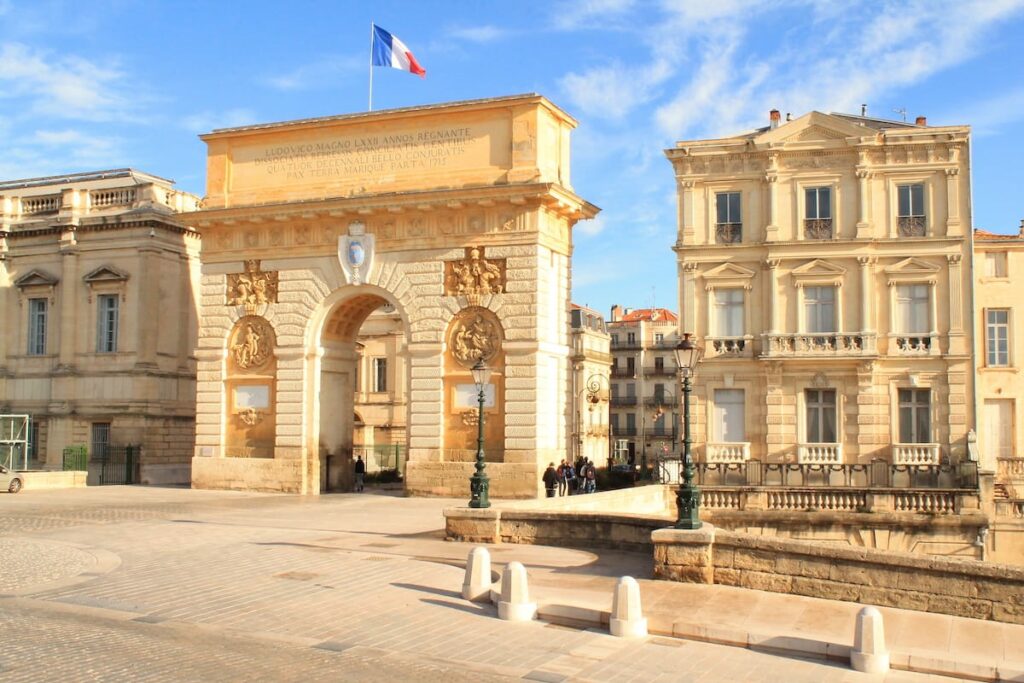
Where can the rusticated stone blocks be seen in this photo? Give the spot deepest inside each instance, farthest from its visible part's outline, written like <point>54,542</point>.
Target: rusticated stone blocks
<point>683,555</point>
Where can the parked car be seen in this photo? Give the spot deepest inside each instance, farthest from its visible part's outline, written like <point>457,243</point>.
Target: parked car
<point>10,480</point>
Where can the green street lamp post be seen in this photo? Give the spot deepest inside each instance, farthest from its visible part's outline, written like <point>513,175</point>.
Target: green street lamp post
<point>479,484</point>
<point>688,355</point>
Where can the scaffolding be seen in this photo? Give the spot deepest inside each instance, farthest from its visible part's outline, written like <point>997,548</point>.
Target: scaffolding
<point>14,441</point>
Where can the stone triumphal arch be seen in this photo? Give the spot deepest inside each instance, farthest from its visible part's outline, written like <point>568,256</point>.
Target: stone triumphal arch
<point>459,216</point>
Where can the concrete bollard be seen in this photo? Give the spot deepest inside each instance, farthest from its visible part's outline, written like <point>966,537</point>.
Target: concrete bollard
<point>869,653</point>
<point>477,584</point>
<point>627,619</point>
<point>515,604</point>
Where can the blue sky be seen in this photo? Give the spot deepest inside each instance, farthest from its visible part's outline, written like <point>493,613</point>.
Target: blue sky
<point>90,85</point>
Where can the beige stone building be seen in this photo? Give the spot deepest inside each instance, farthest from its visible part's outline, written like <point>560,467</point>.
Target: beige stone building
<point>825,264</point>
<point>645,381</point>
<point>459,216</point>
<point>98,279</point>
<point>999,272</point>
<point>591,362</point>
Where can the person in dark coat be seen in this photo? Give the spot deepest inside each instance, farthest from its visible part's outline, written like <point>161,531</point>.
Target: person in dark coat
<point>360,473</point>
<point>550,480</point>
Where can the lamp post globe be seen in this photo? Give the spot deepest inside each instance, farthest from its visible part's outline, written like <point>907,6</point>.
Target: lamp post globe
<point>688,355</point>
<point>479,484</point>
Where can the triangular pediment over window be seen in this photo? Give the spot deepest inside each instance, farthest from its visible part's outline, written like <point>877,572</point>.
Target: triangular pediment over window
<point>912,266</point>
<point>35,278</point>
<point>819,267</point>
<point>728,275</point>
<point>105,274</point>
<point>813,127</point>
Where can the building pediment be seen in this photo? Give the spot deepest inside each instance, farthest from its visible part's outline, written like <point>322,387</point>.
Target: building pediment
<point>35,278</point>
<point>728,275</point>
<point>912,270</point>
<point>818,271</point>
<point>105,274</point>
<point>812,127</point>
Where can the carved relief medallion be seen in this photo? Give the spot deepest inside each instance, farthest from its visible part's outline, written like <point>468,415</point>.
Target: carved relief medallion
<point>474,335</point>
<point>253,342</point>
<point>475,276</point>
<point>253,288</point>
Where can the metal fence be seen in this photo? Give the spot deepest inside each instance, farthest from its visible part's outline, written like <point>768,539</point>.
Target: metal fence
<point>876,474</point>
<point>76,458</point>
<point>116,464</point>
<point>388,458</point>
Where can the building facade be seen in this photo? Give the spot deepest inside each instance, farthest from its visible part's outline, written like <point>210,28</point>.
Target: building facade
<point>644,388</point>
<point>825,265</point>
<point>999,271</point>
<point>591,362</point>
<point>98,286</point>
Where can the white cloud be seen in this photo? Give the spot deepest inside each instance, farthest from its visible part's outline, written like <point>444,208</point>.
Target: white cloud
<point>613,91</point>
<point>575,14</point>
<point>478,34</point>
<point>205,121</point>
<point>595,226</point>
<point>52,152</point>
<point>327,72</point>
<point>988,116</point>
<point>67,86</point>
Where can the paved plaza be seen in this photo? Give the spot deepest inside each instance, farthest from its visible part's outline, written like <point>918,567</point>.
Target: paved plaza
<point>151,584</point>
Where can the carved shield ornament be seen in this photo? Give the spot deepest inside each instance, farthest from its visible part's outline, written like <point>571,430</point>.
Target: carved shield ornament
<point>356,252</point>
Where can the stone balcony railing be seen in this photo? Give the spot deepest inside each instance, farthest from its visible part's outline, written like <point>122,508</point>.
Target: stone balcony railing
<point>1010,468</point>
<point>939,502</point>
<point>729,347</point>
<point>819,453</point>
<point>819,345</point>
<point>726,452</point>
<point>915,344</point>
<point>915,453</point>
<point>72,202</point>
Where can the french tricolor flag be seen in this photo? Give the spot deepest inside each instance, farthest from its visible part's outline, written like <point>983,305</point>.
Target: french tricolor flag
<point>390,51</point>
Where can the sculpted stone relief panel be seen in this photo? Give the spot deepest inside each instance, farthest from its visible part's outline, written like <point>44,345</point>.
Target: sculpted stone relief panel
<point>253,288</point>
<point>252,343</point>
<point>474,276</point>
<point>475,334</point>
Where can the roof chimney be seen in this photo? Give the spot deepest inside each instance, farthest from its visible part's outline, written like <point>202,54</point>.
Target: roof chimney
<point>616,312</point>
<point>789,117</point>
<point>1022,227</point>
<point>921,121</point>
<point>774,117</point>
<point>863,110</point>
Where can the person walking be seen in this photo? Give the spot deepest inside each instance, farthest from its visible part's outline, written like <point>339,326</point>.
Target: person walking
<point>550,480</point>
<point>360,469</point>
<point>570,479</point>
<point>561,478</point>
<point>591,482</point>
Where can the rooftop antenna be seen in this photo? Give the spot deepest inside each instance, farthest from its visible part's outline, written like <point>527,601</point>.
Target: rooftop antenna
<point>902,111</point>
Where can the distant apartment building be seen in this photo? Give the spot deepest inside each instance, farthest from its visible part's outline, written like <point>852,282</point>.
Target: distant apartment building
<point>998,278</point>
<point>98,299</point>
<point>591,366</point>
<point>644,385</point>
<point>825,265</point>
<point>381,390</point>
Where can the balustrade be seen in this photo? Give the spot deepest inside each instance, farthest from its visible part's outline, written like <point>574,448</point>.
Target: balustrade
<point>34,206</point>
<point>821,499</point>
<point>720,499</point>
<point>820,453</point>
<point>1010,468</point>
<point>830,344</point>
<point>119,196</point>
<point>727,346</point>
<point>915,344</point>
<point>938,502</point>
<point>728,452</point>
<point>915,453</point>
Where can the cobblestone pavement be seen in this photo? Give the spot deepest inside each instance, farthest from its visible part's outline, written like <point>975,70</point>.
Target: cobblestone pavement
<point>220,586</point>
<point>26,562</point>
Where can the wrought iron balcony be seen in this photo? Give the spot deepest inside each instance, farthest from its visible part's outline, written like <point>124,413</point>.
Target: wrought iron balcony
<point>663,371</point>
<point>911,226</point>
<point>625,344</point>
<point>623,431</point>
<point>728,233</point>
<point>818,228</point>
<point>623,400</point>
<point>663,399</point>
<point>623,372</point>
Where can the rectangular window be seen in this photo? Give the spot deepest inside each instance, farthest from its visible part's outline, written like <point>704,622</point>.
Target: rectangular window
<point>631,423</point>
<point>37,327</point>
<point>658,338</point>
<point>659,393</point>
<point>615,389</point>
<point>998,434</point>
<point>729,312</point>
<point>997,336</point>
<point>631,366</point>
<point>615,339</point>
<point>729,416</point>
<point>995,264</point>
<point>106,323</point>
<point>912,306</point>
<point>631,338</point>
<point>911,215</point>
<point>659,363</point>
<point>915,415</point>
<point>380,374</point>
<point>630,390</point>
<point>821,416</point>
<point>818,213</point>
<point>728,223</point>
<point>820,309</point>
<point>100,440</point>
<point>613,420</point>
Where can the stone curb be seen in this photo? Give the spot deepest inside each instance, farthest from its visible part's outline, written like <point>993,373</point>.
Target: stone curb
<point>789,646</point>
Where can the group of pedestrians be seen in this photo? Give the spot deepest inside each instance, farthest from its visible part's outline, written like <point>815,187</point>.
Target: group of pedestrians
<point>570,479</point>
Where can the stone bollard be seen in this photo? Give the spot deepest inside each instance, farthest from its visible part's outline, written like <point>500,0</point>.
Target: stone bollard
<point>477,584</point>
<point>869,653</point>
<point>515,604</point>
<point>627,618</point>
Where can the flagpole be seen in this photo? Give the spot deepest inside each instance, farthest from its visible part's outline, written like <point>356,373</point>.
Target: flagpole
<point>369,107</point>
